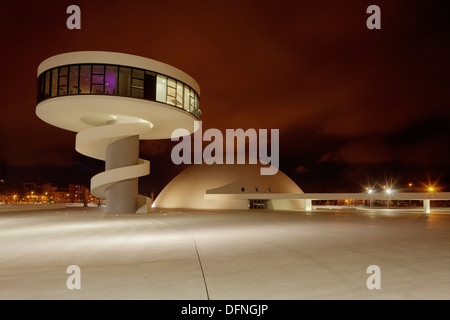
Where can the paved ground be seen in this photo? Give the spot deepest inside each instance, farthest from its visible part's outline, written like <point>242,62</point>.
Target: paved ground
<point>225,255</point>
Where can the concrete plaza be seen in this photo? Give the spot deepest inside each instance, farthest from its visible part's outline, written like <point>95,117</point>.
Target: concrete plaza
<point>256,254</point>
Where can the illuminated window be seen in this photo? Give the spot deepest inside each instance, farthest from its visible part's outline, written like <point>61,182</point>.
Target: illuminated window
<point>171,91</point>
<point>63,81</point>
<point>116,80</point>
<point>54,82</point>
<point>73,79</point>
<point>187,93</point>
<point>85,79</point>
<point>98,69</point>
<point>179,101</point>
<point>47,84</point>
<point>111,80</point>
<point>196,106</point>
<point>125,81</point>
<point>192,101</point>
<point>137,83</point>
<point>161,88</point>
<point>98,79</point>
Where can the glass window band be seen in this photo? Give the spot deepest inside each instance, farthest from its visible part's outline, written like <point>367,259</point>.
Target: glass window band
<point>117,80</point>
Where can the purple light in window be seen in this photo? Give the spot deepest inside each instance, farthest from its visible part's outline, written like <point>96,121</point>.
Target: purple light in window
<point>110,81</point>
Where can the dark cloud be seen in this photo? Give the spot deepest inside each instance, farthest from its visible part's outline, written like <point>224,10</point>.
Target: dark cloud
<point>301,169</point>
<point>358,152</point>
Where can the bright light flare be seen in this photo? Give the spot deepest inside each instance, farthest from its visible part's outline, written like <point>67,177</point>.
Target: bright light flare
<point>432,185</point>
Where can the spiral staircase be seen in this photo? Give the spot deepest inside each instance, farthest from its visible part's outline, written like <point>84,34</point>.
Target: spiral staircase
<point>104,143</point>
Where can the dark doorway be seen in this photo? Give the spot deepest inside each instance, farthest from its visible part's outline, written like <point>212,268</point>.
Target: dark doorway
<point>257,204</point>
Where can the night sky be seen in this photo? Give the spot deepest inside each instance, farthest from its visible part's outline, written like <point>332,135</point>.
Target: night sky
<point>352,105</point>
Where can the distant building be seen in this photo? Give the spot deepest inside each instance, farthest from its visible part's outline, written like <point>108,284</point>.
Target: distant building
<point>77,193</point>
<point>60,195</point>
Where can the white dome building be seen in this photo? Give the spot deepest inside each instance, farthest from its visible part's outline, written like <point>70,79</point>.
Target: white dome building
<point>238,186</point>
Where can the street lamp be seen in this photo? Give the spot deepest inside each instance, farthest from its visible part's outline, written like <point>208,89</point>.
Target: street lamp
<point>410,187</point>
<point>388,191</point>
<point>369,191</point>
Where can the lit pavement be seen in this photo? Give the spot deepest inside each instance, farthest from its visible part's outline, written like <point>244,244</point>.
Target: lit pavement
<point>243,255</point>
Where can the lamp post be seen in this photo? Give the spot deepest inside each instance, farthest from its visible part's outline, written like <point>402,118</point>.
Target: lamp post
<point>410,186</point>
<point>369,191</point>
<point>388,191</point>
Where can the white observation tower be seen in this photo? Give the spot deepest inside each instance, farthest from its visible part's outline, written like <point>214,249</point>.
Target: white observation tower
<point>113,100</point>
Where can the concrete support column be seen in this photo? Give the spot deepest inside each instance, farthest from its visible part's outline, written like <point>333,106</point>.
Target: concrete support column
<point>308,204</point>
<point>426,206</point>
<point>122,196</point>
